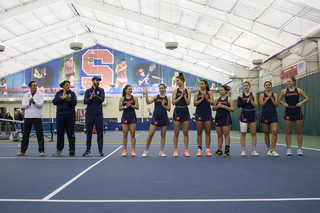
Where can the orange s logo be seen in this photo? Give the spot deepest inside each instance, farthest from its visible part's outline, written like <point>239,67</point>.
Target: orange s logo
<point>103,70</point>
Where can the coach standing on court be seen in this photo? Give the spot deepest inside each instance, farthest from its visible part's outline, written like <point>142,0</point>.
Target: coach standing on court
<point>94,97</point>
<point>66,101</point>
<point>32,102</point>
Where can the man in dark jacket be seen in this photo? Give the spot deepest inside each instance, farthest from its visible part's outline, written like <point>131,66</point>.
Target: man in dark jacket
<point>94,97</point>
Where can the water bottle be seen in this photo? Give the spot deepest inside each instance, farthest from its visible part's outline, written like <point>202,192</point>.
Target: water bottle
<point>19,148</point>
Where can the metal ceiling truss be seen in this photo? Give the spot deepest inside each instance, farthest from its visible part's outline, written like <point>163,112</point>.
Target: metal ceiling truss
<point>217,68</point>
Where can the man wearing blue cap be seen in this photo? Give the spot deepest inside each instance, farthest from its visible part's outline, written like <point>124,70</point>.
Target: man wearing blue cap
<point>94,97</point>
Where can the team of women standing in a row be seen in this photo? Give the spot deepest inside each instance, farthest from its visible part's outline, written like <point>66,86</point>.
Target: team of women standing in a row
<point>203,100</point>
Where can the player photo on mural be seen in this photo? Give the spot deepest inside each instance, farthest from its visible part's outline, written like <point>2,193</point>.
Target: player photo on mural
<point>42,75</point>
<point>116,70</point>
<point>145,76</point>
<point>121,71</point>
<point>69,71</point>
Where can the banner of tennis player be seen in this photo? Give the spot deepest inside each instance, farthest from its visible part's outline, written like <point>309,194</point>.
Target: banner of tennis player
<point>114,67</point>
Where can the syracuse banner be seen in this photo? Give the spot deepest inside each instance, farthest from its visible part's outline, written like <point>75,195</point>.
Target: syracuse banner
<point>115,68</point>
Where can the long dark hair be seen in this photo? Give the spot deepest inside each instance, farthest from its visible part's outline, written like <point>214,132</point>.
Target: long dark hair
<point>226,88</point>
<point>293,79</point>
<point>64,82</point>
<point>181,76</point>
<point>206,83</point>
<point>125,89</point>
<point>163,85</point>
<point>69,58</point>
<point>267,82</point>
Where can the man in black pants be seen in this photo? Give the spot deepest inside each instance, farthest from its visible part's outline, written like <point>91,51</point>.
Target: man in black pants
<point>94,97</point>
<point>32,102</point>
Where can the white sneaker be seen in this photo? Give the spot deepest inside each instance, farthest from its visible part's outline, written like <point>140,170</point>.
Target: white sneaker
<point>299,152</point>
<point>274,153</point>
<point>161,154</point>
<point>255,153</point>
<point>243,153</point>
<point>289,152</point>
<point>145,153</point>
<point>269,152</point>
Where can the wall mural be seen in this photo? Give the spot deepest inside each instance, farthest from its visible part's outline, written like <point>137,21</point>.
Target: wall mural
<point>112,66</point>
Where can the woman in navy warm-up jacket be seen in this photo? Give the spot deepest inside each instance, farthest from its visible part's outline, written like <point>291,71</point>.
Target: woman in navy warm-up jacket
<point>65,100</point>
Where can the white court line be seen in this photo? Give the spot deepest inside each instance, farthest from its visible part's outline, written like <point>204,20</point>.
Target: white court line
<point>53,158</point>
<point>139,133</point>
<point>164,200</point>
<point>36,145</point>
<point>76,177</point>
<point>301,147</point>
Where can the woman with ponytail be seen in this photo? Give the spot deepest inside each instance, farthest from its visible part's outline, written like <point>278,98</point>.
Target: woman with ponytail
<point>223,105</point>
<point>128,103</point>
<point>248,101</point>
<point>162,104</point>
<point>269,117</point>
<point>202,101</point>
<point>293,112</point>
<point>181,98</point>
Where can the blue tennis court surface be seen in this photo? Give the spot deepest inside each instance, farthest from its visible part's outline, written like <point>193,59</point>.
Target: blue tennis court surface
<point>134,184</point>
<point>141,135</point>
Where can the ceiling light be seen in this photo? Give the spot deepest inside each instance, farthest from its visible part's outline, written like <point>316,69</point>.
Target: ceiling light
<point>2,48</point>
<point>257,61</point>
<point>76,46</point>
<point>171,45</point>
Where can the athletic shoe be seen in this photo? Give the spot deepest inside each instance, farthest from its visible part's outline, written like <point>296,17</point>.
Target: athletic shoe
<point>101,153</point>
<point>218,152</point>
<point>133,153</point>
<point>226,153</point>
<point>243,153</point>
<point>289,152</point>
<point>269,152</point>
<point>299,152</point>
<point>208,153</point>
<point>255,153</point>
<point>274,153</point>
<point>87,153</point>
<point>199,154</point>
<point>72,153</point>
<point>145,153</point>
<point>175,153</point>
<point>124,153</point>
<point>161,154</point>
<point>57,153</point>
<point>21,153</point>
<point>42,154</point>
<point>186,153</point>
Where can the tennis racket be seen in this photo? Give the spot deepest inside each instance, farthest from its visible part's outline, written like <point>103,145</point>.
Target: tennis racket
<point>43,70</point>
<point>152,67</point>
